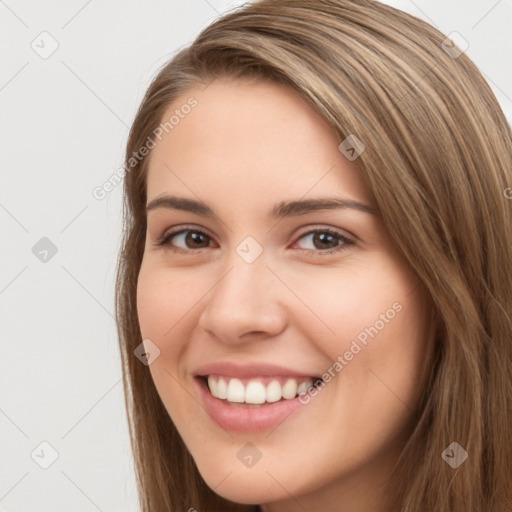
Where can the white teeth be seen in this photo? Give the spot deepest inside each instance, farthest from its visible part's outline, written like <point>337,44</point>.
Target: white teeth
<point>304,386</point>
<point>236,391</point>
<point>273,391</point>
<point>212,384</point>
<point>222,389</point>
<point>290,389</point>
<point>255,392</point>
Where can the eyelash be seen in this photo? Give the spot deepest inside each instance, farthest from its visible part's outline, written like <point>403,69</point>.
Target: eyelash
<point>347,242</point>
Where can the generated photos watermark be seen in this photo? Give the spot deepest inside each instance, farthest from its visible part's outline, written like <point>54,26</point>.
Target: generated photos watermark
<point>101,191</point>
<point>355,348</point>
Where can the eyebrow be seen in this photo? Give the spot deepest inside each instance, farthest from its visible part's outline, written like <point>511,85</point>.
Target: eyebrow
<point>280,210</point>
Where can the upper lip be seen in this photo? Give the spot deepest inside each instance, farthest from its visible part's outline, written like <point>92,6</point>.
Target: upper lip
<point>248,371</point>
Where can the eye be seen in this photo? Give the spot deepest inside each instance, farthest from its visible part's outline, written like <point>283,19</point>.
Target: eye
<point>325,241</point>
<point>190,238</point>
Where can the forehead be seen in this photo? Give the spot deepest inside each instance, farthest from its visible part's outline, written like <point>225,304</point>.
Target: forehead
<point>250,138</point>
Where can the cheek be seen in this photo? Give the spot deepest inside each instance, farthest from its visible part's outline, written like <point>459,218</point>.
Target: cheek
<point>168,301</point>
<point>162,301</point>
<point>371,326</point>
<point>383,346</point>
<point>359,302</point>
<point>159,308</point>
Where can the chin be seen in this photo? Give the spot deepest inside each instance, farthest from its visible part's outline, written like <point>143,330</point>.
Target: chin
<point>246,488</point>
<point>228,477</point>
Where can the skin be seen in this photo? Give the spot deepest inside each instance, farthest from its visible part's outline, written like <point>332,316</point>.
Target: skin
<point>245,147</point>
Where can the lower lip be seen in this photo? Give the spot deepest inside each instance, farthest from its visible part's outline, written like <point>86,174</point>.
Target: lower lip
<point>246,419</point>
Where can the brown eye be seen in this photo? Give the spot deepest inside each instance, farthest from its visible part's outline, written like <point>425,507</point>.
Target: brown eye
<point>186,239</point>
<point>325,240</point>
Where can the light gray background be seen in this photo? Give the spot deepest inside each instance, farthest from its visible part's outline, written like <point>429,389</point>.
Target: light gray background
<point>65,121</point>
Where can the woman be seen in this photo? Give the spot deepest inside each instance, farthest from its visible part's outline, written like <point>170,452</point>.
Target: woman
<point>314,292</point>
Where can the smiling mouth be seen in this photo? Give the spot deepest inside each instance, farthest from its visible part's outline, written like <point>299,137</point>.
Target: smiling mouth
<point>258,392</point>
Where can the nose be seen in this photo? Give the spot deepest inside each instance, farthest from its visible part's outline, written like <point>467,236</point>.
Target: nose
<point>244,304</point>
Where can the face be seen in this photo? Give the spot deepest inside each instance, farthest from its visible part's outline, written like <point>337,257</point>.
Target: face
<point>267,269</point>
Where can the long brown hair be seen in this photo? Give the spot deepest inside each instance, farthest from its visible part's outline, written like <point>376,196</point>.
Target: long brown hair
<point>438,161</point>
